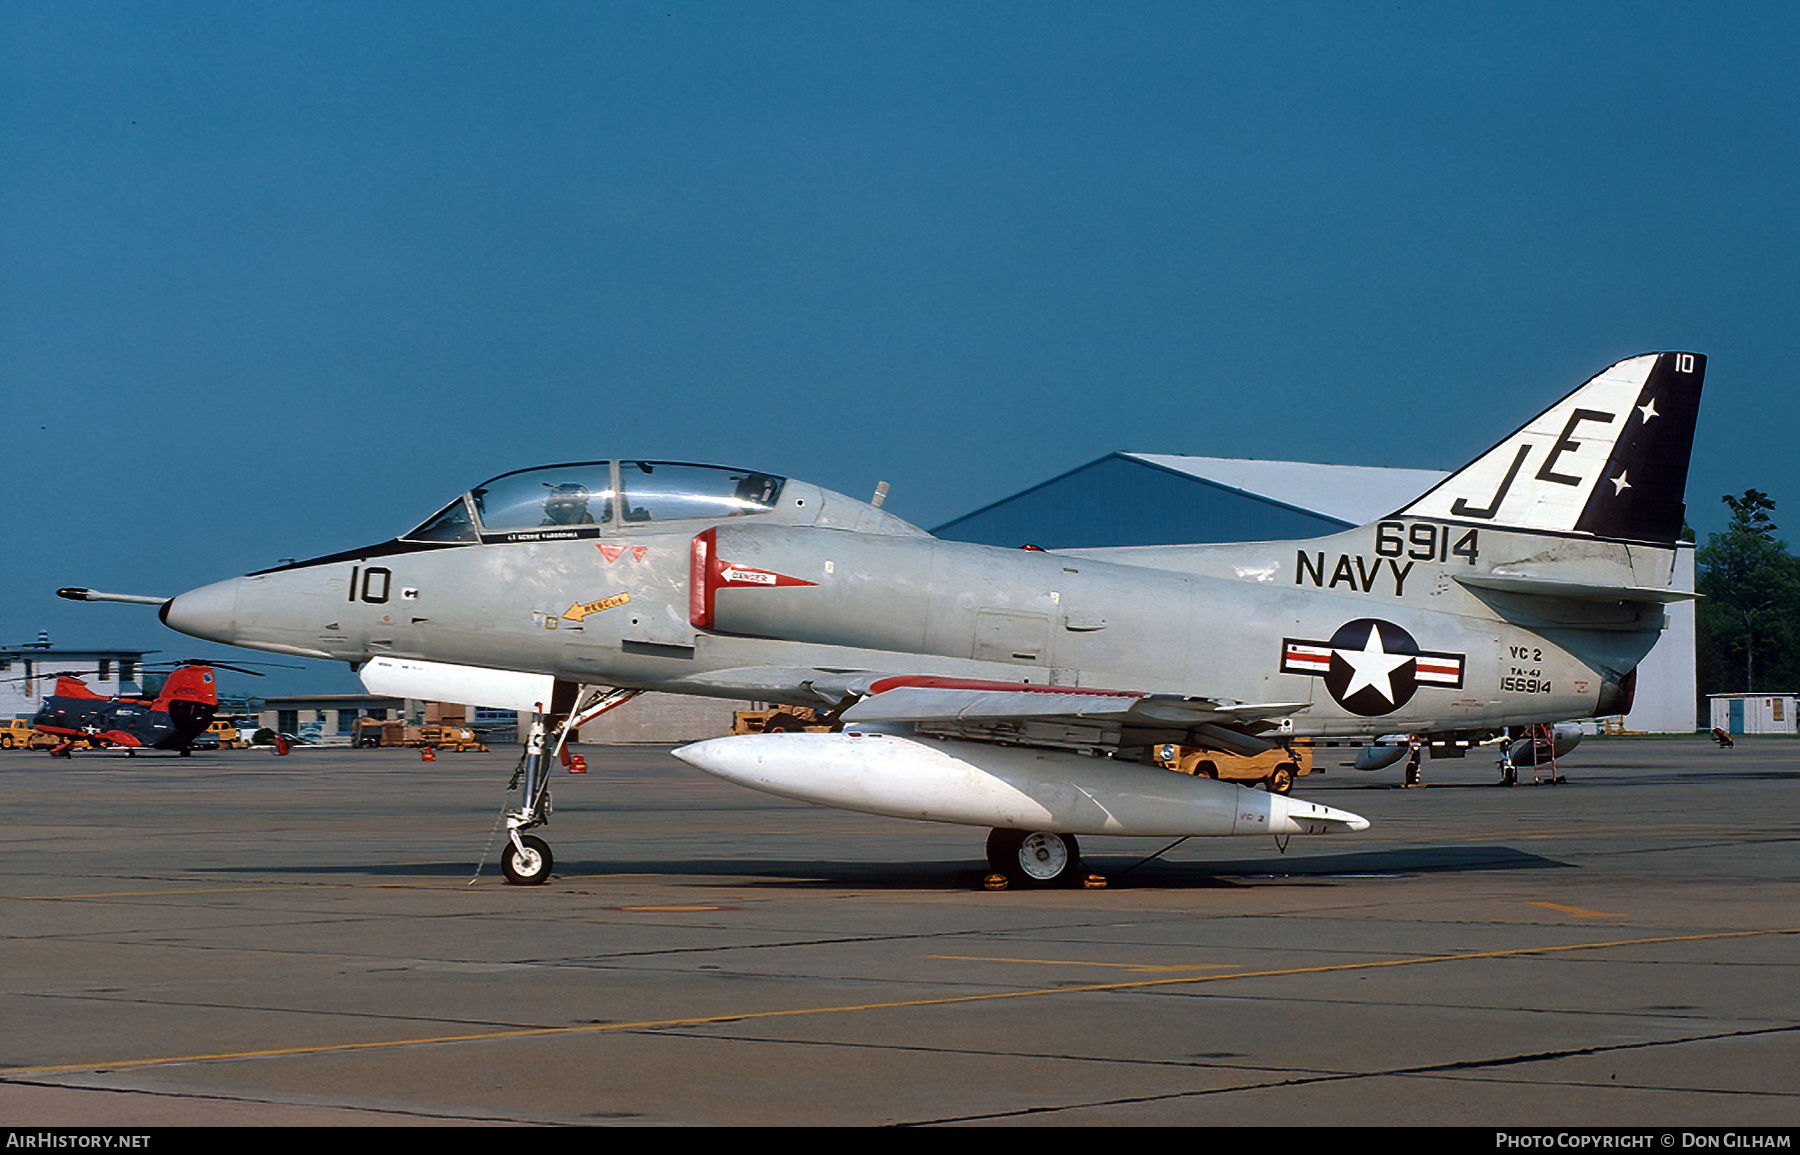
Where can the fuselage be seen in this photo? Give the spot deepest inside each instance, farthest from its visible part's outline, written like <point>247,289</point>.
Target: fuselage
<point>1369,631</point>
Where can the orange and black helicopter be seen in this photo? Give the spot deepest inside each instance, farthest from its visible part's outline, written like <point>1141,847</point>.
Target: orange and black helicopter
<point>169,720</point>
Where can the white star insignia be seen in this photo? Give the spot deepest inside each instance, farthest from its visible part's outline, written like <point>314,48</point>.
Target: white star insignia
<point>1373,666</point>
<point>1620,485</point>
<point>1648,409</point>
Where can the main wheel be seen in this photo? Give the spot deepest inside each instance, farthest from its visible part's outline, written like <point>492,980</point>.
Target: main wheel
<point>1034,858</point>
<point>530,867</point>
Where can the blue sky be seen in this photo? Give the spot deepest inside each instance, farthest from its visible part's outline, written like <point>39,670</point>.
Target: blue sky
<point>277,280</point>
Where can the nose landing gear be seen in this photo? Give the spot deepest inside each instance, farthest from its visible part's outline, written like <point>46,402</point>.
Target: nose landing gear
<point>526,860</point>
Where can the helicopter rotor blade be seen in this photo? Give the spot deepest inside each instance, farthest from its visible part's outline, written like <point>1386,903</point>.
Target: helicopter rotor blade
<point>238,669</point>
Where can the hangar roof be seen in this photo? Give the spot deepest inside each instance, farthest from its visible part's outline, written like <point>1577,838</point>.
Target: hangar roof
<point>1352,494</point>
<point>1165,499</point>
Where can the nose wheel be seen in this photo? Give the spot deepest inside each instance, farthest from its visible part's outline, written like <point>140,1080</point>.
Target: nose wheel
<point>527,861</point>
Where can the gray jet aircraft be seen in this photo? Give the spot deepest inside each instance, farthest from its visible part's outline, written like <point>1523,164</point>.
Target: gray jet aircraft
<point>1015,689</point>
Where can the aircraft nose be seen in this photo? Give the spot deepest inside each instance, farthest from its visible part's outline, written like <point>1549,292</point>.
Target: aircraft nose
<point>209,612</point>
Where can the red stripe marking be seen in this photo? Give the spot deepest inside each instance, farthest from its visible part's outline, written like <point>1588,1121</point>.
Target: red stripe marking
<point>936,683</point>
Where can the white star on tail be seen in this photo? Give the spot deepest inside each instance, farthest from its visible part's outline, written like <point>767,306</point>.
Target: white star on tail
<point>1648,409</point>
<point>1620,485</point>
<point>1373,667</point>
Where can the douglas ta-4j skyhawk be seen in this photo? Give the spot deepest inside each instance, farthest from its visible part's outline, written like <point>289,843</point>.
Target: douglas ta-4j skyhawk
<point>1015,689</point>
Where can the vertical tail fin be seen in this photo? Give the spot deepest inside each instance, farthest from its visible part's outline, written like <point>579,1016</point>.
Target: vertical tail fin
<point>1610,460</point>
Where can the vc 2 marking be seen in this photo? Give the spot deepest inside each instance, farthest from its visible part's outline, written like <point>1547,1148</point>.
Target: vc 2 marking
<point>1528,679</point>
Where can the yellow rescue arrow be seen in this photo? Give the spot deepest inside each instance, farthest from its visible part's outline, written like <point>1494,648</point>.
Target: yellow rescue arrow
<point>582,609</point>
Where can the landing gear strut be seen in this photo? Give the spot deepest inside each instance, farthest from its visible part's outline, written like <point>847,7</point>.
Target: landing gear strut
<point>526,860</point>
<point>1412,768</point>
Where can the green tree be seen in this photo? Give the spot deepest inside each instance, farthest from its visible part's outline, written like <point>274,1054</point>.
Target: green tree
<point>1751,588</point>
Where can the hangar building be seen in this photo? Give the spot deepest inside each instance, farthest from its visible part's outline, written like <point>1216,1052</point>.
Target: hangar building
<point>1163,499</point>
<point>28,673</point>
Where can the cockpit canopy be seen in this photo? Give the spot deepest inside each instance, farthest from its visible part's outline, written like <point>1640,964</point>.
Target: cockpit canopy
<point>581,498</point>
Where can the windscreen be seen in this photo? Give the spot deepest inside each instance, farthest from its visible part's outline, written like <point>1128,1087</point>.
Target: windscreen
<point>451,524</point>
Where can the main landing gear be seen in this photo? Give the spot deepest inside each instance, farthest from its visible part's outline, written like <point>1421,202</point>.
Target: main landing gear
<point>526,860</point>
<point>1034,858</point>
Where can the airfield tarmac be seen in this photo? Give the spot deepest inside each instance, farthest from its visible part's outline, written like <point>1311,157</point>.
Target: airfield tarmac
<point>238,938</point>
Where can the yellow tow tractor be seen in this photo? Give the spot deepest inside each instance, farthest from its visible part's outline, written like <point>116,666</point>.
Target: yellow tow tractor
<point>376,732</point>
<point>781,720</point>
<point>1274,770</point>
<point>19,734</point>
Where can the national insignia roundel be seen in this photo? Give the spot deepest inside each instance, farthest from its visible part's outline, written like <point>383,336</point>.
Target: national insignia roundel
<point>1370,666</point>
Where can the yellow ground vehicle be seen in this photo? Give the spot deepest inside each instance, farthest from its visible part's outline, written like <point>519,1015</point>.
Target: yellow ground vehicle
<point>226,731</point>
<point>785,719</point>
<point>18,734</point>
<point>1275,770</point>
<point>374,732</point>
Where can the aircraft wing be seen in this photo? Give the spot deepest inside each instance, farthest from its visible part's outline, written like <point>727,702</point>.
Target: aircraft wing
<point>1015,712</point>
<point>1004,709</point>
<point>1011,712</point>
<point>929,699</point>
<point>946,700</point>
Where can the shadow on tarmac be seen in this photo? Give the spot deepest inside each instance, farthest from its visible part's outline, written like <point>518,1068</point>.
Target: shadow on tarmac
<point>1121,871</point>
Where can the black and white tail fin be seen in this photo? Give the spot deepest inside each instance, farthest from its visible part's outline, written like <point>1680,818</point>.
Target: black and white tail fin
<point>1610,460</point>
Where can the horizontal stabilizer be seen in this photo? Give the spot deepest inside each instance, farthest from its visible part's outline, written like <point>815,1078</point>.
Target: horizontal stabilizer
<point>1577,591</point>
